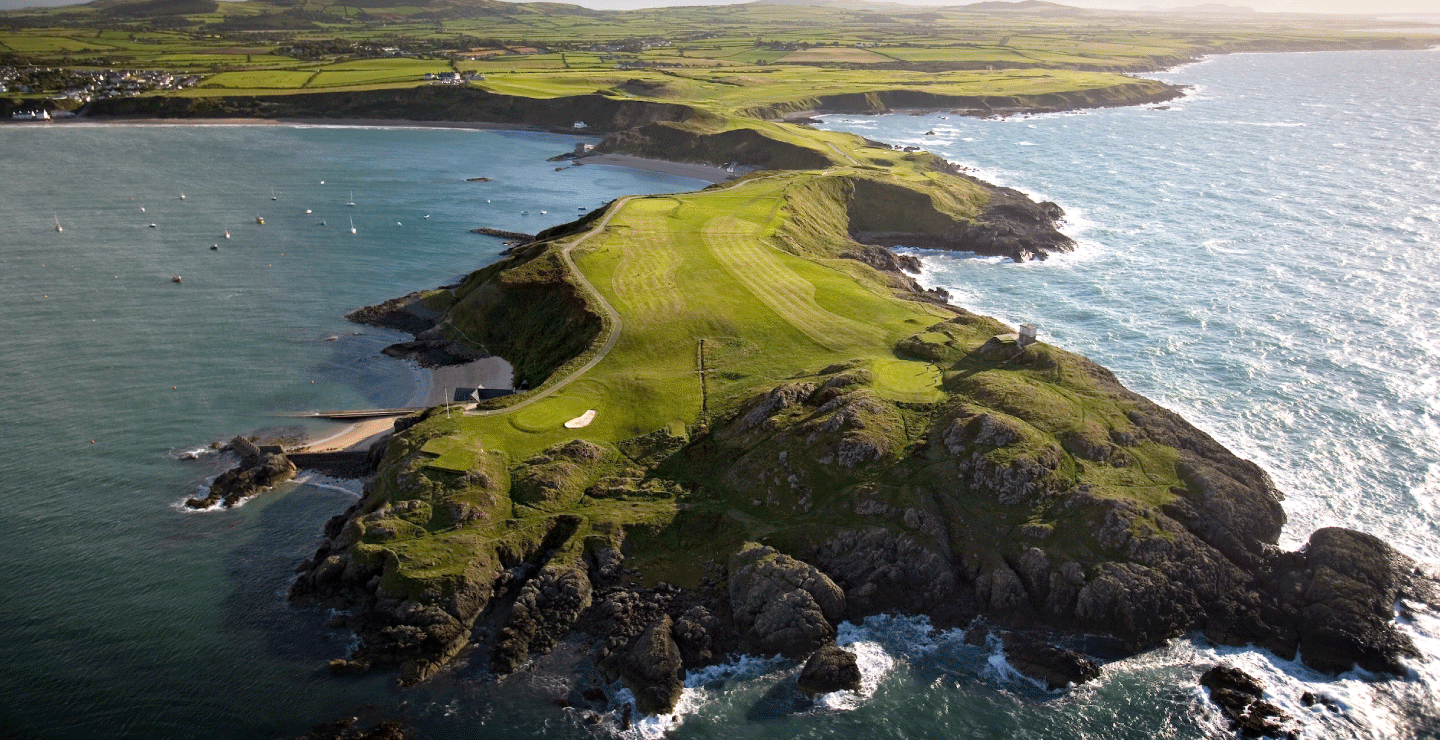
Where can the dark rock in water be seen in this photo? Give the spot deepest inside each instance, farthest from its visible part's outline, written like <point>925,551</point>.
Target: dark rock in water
<point>347,729</point>
<point>782,605</point>
<point>1238,694</point>
<point>1054,666</point>
<point>828,669</point>
<point>405,313</point>
<point>1010,224</point>
<point>343,667</point>
<point>256,472</point>
<point>1310,699</point>
<point>519,236</point>
<point>433,352</point>
<point>1336,601</point>
<point>651,669</point>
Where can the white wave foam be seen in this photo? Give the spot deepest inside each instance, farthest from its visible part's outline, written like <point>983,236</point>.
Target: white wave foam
<point>998,669</point>
<point>1223,246</point>
<point>702,687</point>
<point>874,663</point>
<point>351,486</point>
<point>1262,124</point>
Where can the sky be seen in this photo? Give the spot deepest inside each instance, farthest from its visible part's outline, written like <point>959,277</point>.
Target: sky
<point>1366,7</point>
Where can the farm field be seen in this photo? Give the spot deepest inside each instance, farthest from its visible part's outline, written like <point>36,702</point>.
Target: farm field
<point>357,47</point>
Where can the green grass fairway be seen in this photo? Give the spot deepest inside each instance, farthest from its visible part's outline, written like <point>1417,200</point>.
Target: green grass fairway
<point>702,266</point>
<point>451,454</point>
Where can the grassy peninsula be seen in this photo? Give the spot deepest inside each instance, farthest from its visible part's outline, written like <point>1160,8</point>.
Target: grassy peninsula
<point>744,421</point>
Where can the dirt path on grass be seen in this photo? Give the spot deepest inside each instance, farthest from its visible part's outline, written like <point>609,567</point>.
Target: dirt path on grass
<point>610,312</point>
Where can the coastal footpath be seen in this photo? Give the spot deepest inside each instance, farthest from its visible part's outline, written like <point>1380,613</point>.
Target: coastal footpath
<point>782,431</point>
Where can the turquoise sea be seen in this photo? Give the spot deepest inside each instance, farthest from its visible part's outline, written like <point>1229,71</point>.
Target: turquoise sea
<point>1259,256</point>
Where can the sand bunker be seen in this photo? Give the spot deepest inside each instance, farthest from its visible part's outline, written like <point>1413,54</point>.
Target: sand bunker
<point>581,420</point>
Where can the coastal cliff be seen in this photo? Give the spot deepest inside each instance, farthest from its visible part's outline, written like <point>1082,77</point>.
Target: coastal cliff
<point>923,464</point>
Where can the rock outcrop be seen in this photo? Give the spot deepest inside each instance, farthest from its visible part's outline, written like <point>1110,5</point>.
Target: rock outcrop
<point>651,669</point>
<point>782,605</point>
<point>1010,224</point>
<point>1056,667</point>
<point>1240,697</point>
<point>1334,602</point>
<point>829,669</point>
<point>542,615</point>
<point>257,472</point>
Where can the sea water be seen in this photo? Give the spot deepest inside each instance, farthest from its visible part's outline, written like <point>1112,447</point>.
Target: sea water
<point>1261,257</point>
<point>1258,256</point>
<point>120,614</point>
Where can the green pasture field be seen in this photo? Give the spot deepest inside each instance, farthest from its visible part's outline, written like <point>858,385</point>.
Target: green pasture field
<point>744,55</point>
<point>277,79</point>
<point>358,77</point>
<point>375,71</point>
<point>742,37</point>
<point>529,62</point>
<point>42,44</point>
<point>833,55</point>
<point>954,54</point>
<point>390,64</point>
<point>202,92</point>
<point>735,89</point>
<point>545,85</point>
<point>189,61</point>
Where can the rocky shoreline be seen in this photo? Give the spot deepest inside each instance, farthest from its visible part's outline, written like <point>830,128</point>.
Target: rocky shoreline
<point>1205,561</point>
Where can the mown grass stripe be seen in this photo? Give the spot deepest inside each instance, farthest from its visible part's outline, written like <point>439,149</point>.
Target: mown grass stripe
<point>762,272</point>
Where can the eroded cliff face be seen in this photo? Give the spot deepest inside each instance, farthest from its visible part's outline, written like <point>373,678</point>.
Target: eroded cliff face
<point>1008,224</point>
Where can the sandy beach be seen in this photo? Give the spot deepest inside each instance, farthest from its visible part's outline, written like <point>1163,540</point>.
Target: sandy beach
<point>435,389</point>
<point>357,436</point>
